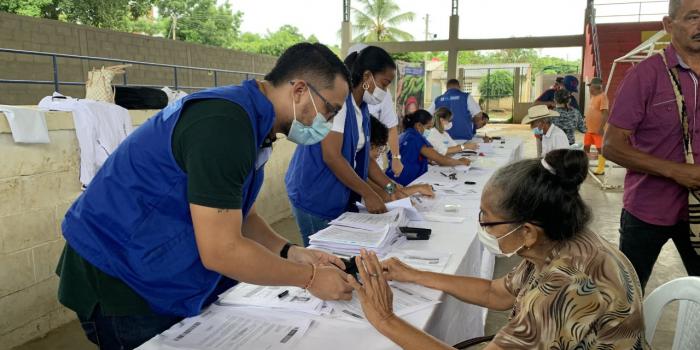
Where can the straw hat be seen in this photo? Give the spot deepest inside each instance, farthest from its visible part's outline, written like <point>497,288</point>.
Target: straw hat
<point>538,112</point>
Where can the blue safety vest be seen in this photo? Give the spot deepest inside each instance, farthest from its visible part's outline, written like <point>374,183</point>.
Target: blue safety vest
<point>311,184</point>
<point>414,163</point>
<point>133,222</point>
<point>456,101</point>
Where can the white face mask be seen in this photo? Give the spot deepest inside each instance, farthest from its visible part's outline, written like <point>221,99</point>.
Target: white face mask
<point>376,97</point>
<point>491,242</point>
<point>448,126</point>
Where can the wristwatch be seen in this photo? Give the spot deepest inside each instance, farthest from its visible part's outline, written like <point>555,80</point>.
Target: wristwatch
<point>285,250</point>
<point>390,188</point>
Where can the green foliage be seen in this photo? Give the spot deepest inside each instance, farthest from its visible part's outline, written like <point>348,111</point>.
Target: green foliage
<point>273,43</point>
<point>201,21</point>
<point>498,84</point>
<point>555,65</point>
<point>377,20</point>
<point>112,14</point>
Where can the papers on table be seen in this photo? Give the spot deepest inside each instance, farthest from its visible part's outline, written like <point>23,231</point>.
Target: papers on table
<point>221,327</point>
<point>410,211</point>
<point>394,218</point>
<point>286,298</point>
<point>347,241</point>
<point>406,300</point>
<point>423,260</point>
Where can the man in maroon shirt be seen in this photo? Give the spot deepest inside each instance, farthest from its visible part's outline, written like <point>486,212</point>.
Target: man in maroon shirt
<point>645,136</point>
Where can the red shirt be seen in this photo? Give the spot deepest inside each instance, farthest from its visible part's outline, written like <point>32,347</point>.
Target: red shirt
<point>646,105</point>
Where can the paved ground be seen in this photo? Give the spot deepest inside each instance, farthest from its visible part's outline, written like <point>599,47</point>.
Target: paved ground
<point>606,208</point>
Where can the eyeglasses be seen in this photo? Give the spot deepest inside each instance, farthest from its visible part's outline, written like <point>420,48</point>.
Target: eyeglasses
<point>331,110</point>
<point>493,223</point>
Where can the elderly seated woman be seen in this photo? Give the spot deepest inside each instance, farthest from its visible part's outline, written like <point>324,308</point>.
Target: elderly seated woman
<point>573,289</point>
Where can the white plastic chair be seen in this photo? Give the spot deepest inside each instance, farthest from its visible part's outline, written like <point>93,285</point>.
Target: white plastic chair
<point>687,291</point>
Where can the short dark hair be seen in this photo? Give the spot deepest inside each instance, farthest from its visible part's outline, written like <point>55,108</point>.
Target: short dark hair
<point>379,133</point>
<point>559,80</point>
<point>371,58</point>
<point>562,96</point>
<point>528,192</point>
<point>452,82</point>
<point>485,115</point>
<point>314,62</point>
<point>673,6</point>
<point>420,116</point>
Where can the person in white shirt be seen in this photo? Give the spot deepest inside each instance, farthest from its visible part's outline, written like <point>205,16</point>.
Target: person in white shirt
<point>438,137</point>
<point>552,137</point>
<point>386,113</point>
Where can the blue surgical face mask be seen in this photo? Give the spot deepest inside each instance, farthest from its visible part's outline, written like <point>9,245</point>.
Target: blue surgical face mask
<point>426,133</point>
<point>537,131</point>
<point>308,135</point>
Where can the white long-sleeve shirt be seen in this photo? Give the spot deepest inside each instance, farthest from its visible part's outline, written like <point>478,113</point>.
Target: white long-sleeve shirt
<point>440,141</point>
<point>555,138</point>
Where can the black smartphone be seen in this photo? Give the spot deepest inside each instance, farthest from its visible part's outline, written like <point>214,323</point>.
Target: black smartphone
<point>416,233</point>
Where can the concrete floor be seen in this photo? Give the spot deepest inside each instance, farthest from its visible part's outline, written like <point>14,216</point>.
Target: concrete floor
<point>606,208</point>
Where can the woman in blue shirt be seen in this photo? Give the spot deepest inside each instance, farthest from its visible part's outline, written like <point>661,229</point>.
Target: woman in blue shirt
<point>416,151</point>
<point>326,179</point>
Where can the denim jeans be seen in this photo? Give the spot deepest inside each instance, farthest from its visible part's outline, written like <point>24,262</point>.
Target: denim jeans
<point>641,242</point>
<point>124,332</point>
<point>308,223</point>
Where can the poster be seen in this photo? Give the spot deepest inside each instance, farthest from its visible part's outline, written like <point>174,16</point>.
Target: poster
<point>410,88</point>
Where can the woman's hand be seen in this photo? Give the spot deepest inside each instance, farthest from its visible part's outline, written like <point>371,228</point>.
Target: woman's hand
<point>463,161</point>
<point>424,189</point>
<point>396,270</point>
<point>375,294</point>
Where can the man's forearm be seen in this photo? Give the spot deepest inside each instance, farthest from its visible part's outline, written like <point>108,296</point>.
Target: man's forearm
<point>248,261</point>
<point>393,141</point>
<point>257,229</point>
<point>617,148</point>
<point>347,175</point>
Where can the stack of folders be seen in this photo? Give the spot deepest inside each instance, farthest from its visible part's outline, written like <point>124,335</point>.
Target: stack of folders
<point>351,232</point>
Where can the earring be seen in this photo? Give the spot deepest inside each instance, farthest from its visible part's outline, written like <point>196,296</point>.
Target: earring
<point>365,86</point>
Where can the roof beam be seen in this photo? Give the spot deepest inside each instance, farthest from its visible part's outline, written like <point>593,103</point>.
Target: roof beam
<point>482,44</point>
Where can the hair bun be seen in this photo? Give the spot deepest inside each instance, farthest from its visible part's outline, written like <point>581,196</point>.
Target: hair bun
<point>570,166</point>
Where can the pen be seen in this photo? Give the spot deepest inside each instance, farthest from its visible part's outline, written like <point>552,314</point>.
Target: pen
<point>443,174</point>
<point>283,294</point>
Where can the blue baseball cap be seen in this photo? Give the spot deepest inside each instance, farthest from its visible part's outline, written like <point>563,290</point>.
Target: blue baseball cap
<point>571,83</point>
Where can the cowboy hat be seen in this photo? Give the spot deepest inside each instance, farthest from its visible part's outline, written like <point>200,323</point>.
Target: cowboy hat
<point>538,112</point>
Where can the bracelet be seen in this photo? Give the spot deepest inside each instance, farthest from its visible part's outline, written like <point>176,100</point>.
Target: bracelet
<point>397,157</point>
<point>313,277</point>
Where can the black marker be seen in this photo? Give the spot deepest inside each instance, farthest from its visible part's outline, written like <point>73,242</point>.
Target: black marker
<point>469,183</point>
<point>283,294</point>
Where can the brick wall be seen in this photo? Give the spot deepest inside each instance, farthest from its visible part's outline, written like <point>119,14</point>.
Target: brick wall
<point>36,34</point>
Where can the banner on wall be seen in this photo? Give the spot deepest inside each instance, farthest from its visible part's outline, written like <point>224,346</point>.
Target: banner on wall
<point>410,88</point>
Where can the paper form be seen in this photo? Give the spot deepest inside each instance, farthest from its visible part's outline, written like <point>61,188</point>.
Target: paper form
<point>221,327</point>
<point>406,301</point>
<point>287,298</point>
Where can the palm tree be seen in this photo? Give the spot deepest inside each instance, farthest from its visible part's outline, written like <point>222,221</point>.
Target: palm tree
<point>377,21</point>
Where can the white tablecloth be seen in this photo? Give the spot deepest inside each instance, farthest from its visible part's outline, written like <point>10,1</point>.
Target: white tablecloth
<point>452,320</point>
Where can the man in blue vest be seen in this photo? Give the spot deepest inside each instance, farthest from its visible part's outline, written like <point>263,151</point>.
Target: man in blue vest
<point>463,108</point>
<point>169,222</point>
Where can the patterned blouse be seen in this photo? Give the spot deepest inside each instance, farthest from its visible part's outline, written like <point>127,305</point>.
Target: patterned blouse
<point>569,120</point>
<point>586,296</point>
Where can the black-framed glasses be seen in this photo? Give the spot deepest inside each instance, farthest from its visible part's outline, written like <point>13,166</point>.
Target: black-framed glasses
<point>332,110</point>
<point>494,223</point>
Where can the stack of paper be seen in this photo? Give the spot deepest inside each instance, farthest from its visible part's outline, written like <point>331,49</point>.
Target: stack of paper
<point>348,241</point>
<point>286,298</point>
<point>411,213</point>
<point>394,218</point>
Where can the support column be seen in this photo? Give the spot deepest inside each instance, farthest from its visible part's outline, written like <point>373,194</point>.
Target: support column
<point>345,30</point>
<point>452,51</point>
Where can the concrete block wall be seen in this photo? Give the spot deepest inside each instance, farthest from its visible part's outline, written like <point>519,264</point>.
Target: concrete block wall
<point>36,34</point>
<point>38,183</point>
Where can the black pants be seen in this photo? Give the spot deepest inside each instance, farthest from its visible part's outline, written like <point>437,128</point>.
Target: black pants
<point>123,332</point>
<point>641,242</point>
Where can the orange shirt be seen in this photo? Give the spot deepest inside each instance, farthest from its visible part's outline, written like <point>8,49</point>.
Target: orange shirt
<point>594,112</point>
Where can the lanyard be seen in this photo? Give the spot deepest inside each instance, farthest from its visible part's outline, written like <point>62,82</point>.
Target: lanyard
<point>682,109</point>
